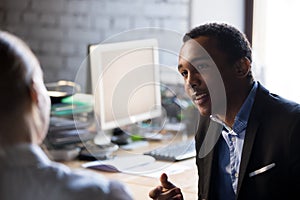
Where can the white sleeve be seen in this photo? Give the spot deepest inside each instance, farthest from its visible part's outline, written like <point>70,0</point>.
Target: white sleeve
<point>119,192</point>
<point>109,189</point>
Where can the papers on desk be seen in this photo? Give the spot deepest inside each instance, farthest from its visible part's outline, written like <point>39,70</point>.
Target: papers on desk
<point>175,127</point>
<point>141,165</point>
<point>156,168</point>
<point>134,145</point>
<point>126,164</point>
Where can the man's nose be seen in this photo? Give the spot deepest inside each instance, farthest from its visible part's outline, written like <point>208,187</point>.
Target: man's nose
<point>194,80</point>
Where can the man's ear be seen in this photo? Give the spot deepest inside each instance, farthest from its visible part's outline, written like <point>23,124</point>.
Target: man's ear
<point>33,93</point>
<point>242,67</point>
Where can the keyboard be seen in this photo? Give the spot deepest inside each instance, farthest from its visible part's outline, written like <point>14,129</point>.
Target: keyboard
<point>175,151</point>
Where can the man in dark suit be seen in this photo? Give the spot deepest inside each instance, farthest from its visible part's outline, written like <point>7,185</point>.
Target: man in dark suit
<point>248,139</point>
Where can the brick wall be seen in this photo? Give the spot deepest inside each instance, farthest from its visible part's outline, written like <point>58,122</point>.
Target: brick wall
<point>58,31</point>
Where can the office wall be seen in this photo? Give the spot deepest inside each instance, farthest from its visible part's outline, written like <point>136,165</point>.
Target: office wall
<point>58,31</point>
<point>229,11</point>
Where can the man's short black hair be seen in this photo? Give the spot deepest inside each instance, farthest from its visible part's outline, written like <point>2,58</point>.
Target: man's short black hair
<point>229,39</point>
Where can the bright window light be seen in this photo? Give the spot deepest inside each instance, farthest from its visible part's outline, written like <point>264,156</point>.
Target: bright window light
<point>276,42</point>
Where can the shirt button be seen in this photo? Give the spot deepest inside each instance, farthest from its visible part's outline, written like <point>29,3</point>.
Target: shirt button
<point>236,175</point>
<point>233,139</point>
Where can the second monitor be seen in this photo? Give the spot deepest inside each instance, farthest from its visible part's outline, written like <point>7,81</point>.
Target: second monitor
<point>125,82</point>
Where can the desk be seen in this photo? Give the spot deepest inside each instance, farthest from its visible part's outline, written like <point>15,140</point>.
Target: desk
<point>141,185</point>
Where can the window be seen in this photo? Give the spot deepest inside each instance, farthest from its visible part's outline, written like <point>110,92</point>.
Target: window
<point>276,42</point>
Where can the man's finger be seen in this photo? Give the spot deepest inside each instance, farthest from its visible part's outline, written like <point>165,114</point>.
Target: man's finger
<point>154,194</point>
<point>165,183</point>
<point>174,193</point>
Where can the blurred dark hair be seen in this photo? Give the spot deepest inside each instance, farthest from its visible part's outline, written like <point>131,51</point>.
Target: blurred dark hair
<point>229,39</point>
<point>16,73</point>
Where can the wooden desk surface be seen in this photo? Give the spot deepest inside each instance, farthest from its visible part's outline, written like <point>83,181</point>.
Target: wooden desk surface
<point>141,185</point>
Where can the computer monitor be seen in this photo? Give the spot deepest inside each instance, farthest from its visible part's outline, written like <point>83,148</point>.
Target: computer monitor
<point>125,82</point>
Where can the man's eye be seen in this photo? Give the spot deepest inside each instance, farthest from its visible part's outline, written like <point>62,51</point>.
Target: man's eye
<point>202,66</point>
<point>184,73</point>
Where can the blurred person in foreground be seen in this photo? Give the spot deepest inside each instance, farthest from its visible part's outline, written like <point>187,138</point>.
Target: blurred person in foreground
<point>250,149</point>
<point>25,171</point>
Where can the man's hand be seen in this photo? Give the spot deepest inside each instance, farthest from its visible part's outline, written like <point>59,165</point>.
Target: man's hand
<point>166,191</point>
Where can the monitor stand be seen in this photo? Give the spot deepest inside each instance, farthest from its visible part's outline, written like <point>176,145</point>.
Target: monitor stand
<point>120,137</point>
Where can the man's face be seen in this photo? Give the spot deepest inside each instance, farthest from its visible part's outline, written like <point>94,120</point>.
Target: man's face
<point>201,65</point>
<point>43,103</point>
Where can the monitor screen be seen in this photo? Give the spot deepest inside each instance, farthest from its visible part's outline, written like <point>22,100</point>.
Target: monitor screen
<point>125,82</point>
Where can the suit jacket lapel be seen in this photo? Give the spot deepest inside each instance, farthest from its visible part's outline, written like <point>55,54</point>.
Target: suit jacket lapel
<point>207,137</point>
<point>205,175</point>
<point>253,124</point>
<point>248,144</point>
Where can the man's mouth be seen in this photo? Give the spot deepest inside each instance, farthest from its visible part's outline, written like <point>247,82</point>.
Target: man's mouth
<point>200,98</point>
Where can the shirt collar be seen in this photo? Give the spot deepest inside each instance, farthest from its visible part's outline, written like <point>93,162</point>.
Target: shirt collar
<point>241,119</point>
<point>24,155</point>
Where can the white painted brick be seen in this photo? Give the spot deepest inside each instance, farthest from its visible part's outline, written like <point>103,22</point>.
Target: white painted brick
<point>100,22</point>
<point>82,48</point>
<point>77,21</point>
<point>77,6</point>
<point>124,9</point>
<point>60,30</point>
<point>13,18</point>
<point>46,33</point>
<point>83,35</point>
<point>112,34</point>
<point>34,45</point>
<point>166,10</point>
<point>68,49</point>
<point>48,19</point>
<point>73,62</point>
<point>19,31</point>
<point>121,23</point>
<point>178,25</point>
<point>15,5</point>
<point>49,48</point>
<point>30,18</point>
<point>178,1</point>
<point>65,74</point>
<point>52,6</point>
<point>56,75</point>
<point>156,22</point>
<point>141,22</point>
<point>66,21</point>
<point>53,61</point>
<point>97,7</point>
<point>127,1</point>
<point>156,10</point>
<point>49,74</point>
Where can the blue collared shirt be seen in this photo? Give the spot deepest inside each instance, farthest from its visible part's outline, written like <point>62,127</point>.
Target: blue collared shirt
<point>230,150</point>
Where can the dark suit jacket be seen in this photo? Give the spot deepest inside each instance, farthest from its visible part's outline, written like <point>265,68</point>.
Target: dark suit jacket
<point>272,139</point>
